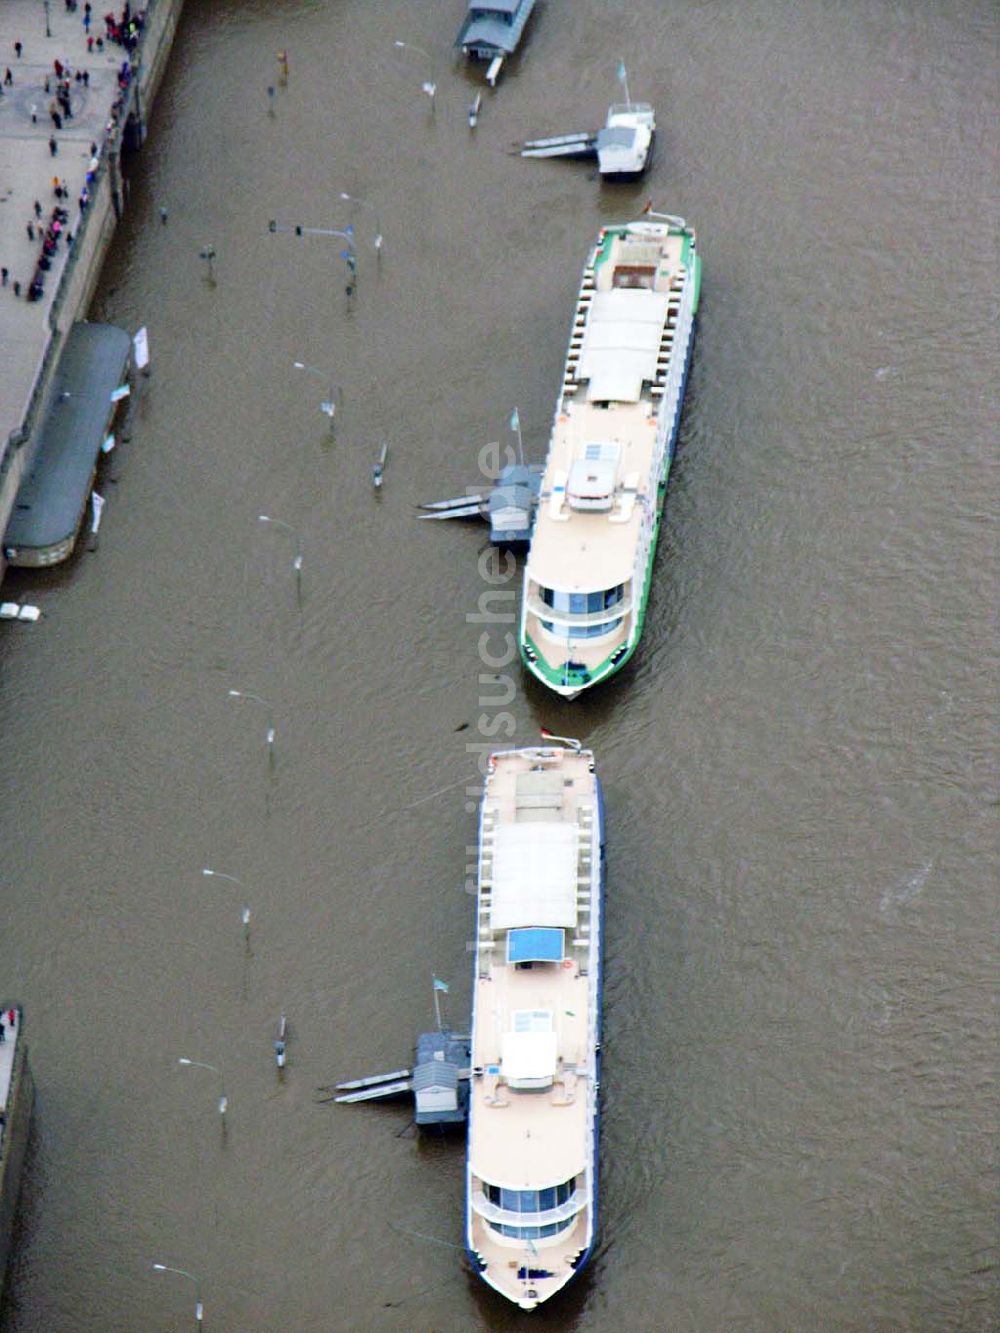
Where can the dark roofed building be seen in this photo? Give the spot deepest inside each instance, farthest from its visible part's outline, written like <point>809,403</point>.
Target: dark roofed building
<point>493,29</point>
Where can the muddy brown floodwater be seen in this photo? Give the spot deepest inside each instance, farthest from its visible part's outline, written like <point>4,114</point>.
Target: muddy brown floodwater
<point>800,764</point>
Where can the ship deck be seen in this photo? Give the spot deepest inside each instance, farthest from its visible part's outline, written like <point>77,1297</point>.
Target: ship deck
<point>619,346</point>
<point>533,1094</point>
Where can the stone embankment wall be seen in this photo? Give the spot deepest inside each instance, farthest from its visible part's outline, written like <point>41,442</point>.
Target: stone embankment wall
<point>13,1145</point>
<point>92,241</point>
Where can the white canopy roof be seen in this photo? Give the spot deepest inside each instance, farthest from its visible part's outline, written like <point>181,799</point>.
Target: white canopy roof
<point>529,1058</point>
<point>620,345</point>
<point>534,875</point>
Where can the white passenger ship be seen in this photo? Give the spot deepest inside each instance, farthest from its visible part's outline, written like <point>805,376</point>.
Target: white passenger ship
<point>536,1023</point>
<point>587,577</point>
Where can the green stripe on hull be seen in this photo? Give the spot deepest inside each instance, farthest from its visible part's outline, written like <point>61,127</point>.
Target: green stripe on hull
<point>605,247</point>
<point>540,668</point>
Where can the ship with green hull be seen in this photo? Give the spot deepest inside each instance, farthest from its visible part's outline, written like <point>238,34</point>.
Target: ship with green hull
<point>587,577</point>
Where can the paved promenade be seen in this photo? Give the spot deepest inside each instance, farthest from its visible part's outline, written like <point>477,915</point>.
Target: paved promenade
<point>27,168</point>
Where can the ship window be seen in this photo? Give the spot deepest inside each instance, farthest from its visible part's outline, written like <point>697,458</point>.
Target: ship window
<point>581,631</point>
<point>530,1201</point>
<point>582,603</point>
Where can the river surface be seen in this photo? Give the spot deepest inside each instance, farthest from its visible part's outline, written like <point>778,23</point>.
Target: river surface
<point>800,764</point>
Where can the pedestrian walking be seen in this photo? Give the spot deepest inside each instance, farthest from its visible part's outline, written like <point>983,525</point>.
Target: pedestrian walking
<point>34,114</point>
<point>30,227</point>
<point>8,78</point>
<point>53,146</point>
<point>90,46</point>
<point>18,48</point>
<point>38,209</point>
<point>11,1016</point>
<point>86,78</point>
<point>2,1038</point>
<point>17,288</point>
<point>4,275</point>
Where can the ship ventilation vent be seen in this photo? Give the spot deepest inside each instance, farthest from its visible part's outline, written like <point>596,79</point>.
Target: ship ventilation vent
<point>592,479</point>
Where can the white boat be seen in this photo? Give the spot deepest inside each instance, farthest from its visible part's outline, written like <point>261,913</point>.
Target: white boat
<point>623,147</point>
<point>532,1165</point>
<point>589,567</point>
<point>626,142</point>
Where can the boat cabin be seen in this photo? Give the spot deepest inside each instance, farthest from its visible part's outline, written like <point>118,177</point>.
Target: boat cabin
<point>493,30</point>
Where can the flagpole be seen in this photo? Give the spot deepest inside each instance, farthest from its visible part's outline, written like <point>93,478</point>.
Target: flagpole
<point>623,76</point>
<point>515,421</point>
<point>437,1002</point>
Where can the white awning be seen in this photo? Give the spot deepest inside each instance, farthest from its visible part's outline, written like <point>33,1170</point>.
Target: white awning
<point>621,343</point>
<point>534,875</point>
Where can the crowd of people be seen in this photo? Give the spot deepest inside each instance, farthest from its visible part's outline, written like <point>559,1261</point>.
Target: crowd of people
<point>51,233</point>
<point>124,30</point>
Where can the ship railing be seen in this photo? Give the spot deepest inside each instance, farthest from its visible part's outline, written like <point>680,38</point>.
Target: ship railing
<point>492,1212</point>
<point>564,620</point>
<point>630,108</point>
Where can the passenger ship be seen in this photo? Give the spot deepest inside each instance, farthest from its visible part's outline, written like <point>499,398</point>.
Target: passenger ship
<point>531,1205</point>
<point>587,577</point>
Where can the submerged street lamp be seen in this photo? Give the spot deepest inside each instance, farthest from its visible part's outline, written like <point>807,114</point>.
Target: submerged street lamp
<point>218,874</point>
<point>256,699</point>
<point>363,203</point>
<point>166,1268</point>
<point>200,1064</point>
<point>347,255</point>
<point>428,86</point>
<point>328,407</point>
<point>296,537</point>
<point>287,527</point>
